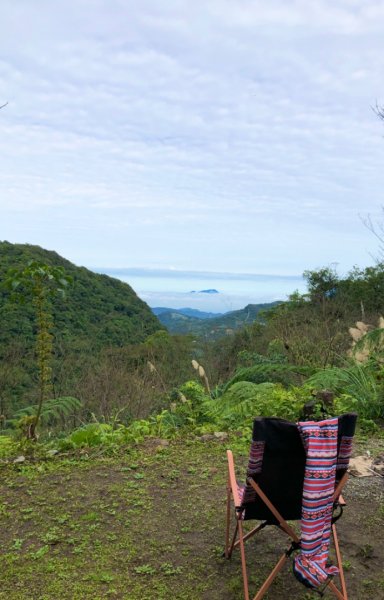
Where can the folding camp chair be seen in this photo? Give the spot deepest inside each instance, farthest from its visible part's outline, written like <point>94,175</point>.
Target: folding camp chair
<point>273,493</point>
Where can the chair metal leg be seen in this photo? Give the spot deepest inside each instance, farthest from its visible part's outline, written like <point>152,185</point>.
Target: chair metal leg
<point>228,518</point>
<point>336,592</point>
<point>234,543</point>
<point>251,533</point>
<point>243,561</point>
<point>339,562</point>
<point>268,582</point>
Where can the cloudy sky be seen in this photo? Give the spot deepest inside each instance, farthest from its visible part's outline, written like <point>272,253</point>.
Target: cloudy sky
<point>208,135</point>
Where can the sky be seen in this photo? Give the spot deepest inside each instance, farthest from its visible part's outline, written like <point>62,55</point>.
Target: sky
<point>213,136</point>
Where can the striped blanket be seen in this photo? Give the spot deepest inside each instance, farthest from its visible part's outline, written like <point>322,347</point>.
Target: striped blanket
<point>320,441</point>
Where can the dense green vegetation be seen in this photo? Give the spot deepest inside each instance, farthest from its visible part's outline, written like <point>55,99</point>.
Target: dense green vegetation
<point>99,311</point>
<point>112,357</point>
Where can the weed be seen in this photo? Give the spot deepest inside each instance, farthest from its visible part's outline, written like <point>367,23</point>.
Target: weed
<point>145,570</point>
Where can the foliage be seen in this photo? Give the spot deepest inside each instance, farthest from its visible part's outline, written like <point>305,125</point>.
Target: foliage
<point>322,284</point>
<point>92,434</point>
<point>275,372</point>
<point>244,400</point>
<point>101,312</point>
<point>129,373</point>
<point>52,411</point>
<point>356,385</point>
<point>8,446</point>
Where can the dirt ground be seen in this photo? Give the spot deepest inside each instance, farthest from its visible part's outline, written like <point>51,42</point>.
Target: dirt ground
<point>149,523</point>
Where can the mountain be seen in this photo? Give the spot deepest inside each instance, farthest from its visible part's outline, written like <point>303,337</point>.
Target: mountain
<point>189,312</point>
<point>177,321</point>
<point>210,291</point>
<point>98,311</point>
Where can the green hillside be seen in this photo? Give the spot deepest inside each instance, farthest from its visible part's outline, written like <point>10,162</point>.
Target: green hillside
<point>177,322</point>
<point>98,311</point>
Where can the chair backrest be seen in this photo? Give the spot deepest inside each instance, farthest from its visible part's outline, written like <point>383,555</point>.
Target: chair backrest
<point>277,465</point>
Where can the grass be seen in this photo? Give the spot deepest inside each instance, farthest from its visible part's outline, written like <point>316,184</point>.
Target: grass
<point>149,523</point>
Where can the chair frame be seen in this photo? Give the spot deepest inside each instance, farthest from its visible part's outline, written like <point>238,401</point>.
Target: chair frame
<point>239,538</point>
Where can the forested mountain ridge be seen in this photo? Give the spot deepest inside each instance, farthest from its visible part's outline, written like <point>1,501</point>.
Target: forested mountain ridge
<point>189,312</point>
<point>177,321</point>
<point>97,311</point>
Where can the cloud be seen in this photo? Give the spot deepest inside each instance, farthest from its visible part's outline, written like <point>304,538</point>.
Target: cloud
<point>236,134</point>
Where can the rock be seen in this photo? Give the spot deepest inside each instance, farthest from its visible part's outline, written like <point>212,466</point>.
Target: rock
<point>378,465</point>
<point>52,452</point>
<point>218,436</point>
<point>361,466</point>
<point>160,442</point>
<point>19,459</point>
<point>221,435</point>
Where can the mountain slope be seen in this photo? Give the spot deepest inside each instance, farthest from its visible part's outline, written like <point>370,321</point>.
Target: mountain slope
<point>98,311</point>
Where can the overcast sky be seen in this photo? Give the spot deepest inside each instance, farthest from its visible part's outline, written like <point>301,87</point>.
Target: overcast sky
<point>224,135</point>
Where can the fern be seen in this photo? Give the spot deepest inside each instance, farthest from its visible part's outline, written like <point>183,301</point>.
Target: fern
<point>357,381</point>
<point>245,400</point>
<point>274,372</point>
<point>52,410</point>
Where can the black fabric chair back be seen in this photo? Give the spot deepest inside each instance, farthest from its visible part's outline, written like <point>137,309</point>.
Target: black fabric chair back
<point>282,468</point>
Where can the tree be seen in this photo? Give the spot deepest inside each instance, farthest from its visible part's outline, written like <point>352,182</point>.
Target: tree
<point>322,284</point>
<point>41,283</point>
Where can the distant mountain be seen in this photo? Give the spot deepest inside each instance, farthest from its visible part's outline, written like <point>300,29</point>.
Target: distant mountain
<point>189,312</point>
<point>204,292</point>
<point>199,314</point>
<point>179,322</point>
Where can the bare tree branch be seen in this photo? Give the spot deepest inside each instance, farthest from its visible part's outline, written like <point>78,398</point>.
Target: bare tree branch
<point>379,110</point>
<point>378,231</point>
<point>2,106</point>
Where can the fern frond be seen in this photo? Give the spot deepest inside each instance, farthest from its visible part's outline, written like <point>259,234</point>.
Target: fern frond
<point>357,381</point>
<point>52,410</point>
<point>274,372</point>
